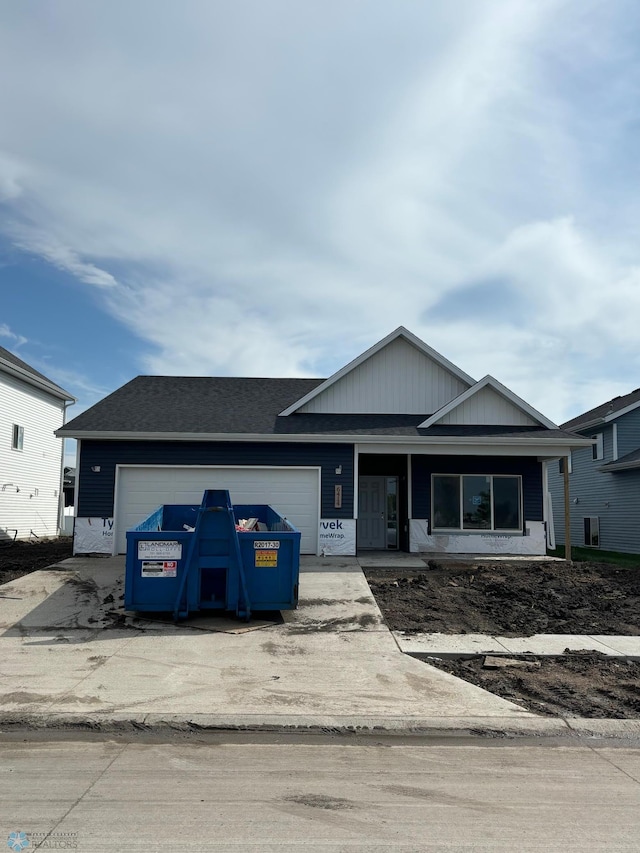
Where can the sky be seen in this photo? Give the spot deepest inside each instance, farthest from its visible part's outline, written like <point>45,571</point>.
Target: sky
<point>269,187</point>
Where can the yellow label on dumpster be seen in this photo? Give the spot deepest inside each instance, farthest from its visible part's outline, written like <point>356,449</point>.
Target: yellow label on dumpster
<point>266,558</point>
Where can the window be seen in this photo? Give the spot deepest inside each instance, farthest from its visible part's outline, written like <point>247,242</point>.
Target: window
<point>476,502</point>
<point>17,439</point>
<point>597,450</point>
<point>561,464</point>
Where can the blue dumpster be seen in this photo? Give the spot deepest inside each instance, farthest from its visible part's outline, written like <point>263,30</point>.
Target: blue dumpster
<point>186,558</point>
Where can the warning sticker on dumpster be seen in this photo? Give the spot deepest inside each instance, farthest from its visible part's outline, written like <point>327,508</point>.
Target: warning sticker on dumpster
<point>160,550</point>
<point>267,544</point>
<point>266,558</point>
<point>159,569</point>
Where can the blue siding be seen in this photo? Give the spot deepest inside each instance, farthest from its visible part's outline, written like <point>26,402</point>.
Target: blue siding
<point>529,469</point>
<point>612,497</point>
<point>96,489</point>
<point>628,433</point>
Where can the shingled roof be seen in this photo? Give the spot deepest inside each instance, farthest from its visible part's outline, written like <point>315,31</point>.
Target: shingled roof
<point>17,367</point>
<point>192,405</point>
<point>599,413</point>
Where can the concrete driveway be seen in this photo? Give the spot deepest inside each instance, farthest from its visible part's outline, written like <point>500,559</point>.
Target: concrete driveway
<point>68,653</point>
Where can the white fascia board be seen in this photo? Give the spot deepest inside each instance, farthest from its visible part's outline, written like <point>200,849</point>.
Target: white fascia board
<point>499,388</point>
<point>589,425</point>
<point>421,444</point>
<point>614,415</point>
<point>30,379</point>
<point>400,332</point>
<point>624,466</point>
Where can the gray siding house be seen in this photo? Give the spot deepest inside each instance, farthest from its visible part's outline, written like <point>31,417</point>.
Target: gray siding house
<point>604,479</point>
<point>399,450</point>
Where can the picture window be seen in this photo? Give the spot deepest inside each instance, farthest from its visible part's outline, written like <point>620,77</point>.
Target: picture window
<point>476,502</point>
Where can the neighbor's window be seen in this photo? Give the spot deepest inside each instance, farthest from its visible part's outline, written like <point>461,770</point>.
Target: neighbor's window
<point>597,449</point>
<point>476,502</point>
<point>561,464</point>
<point>17,439</point>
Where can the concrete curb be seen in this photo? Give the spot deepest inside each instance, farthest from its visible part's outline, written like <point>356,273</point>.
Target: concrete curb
<point>487,727</point>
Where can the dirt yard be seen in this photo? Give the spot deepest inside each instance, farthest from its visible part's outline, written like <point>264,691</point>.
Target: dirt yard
<point>20,558</point>
<point>515,600</point>
<point>520,600</point>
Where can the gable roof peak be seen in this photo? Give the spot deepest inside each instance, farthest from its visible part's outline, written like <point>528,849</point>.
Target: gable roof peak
<point>491,382</point>
<point>400,332</point>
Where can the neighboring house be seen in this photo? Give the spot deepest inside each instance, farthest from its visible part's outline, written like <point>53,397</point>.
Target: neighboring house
<point>69,486</point>
<point>31,409</point>
<point>400,449</point>
<point>604,479</point>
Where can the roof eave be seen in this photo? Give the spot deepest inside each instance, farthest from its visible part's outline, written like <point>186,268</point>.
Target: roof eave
<point>361,438</point>
<point>42,384</point>
<point>624,466</point>
<point>614,415</point>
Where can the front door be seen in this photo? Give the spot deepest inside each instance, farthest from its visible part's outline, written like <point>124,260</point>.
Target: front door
<point>377,512</point>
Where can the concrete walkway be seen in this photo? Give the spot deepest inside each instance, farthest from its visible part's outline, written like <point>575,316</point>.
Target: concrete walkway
<point>544,645</point>
<point>69,655</point>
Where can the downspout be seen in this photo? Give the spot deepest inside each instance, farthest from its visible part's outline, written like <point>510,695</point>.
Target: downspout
<point>567,513</point>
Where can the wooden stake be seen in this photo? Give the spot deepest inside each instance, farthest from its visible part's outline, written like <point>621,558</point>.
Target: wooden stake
<point>567,512</point>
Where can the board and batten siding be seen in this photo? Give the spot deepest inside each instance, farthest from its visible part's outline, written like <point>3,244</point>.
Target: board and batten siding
<point>96,488</point>
<point>399,379</point>
<point>29,478</point>
<point>422,467</point>
<point>487,407</point>
<point>614,498</point>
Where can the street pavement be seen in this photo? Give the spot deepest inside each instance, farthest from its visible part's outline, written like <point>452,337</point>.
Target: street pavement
<point>321,797</point>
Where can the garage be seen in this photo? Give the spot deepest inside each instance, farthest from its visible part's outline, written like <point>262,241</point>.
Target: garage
<point>293,491</point>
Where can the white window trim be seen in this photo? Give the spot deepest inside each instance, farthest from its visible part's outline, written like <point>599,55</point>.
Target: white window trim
<point>486,530</point>
<point>599,447</point>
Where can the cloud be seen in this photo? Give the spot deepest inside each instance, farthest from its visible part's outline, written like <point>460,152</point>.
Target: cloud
<point>11,174</point>
<point>17,340</point>
<point>60,256</point>
<point>267,189</point>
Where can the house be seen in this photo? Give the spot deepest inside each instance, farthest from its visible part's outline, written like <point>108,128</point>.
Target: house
<point>400,449</point>
<point>32,407</point>
<point>604,478</point>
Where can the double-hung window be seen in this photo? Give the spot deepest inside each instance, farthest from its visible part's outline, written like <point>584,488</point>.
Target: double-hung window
<point>17,437</point>
<point>476,502</point>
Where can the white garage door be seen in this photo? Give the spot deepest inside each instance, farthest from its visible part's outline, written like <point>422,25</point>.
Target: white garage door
<point>293,492</point>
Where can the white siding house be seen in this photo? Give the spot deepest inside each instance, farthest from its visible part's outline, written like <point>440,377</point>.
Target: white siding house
<point>31,409</point>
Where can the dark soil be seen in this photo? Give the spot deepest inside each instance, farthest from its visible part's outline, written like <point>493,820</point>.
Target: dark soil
<point>515,600</point>
<point>521,599</point>
<point>580,684</point>
<point>21,558</point>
